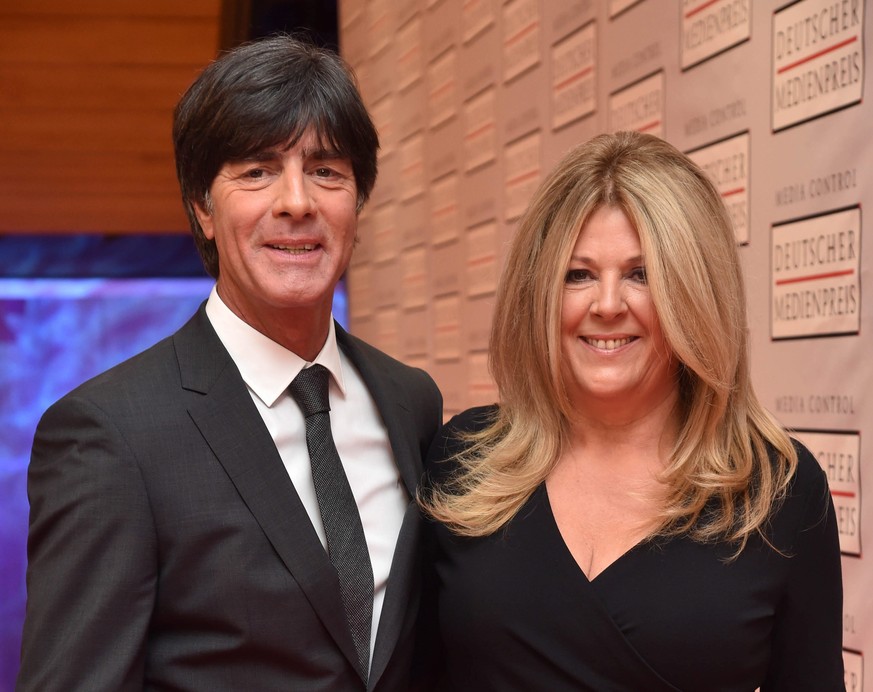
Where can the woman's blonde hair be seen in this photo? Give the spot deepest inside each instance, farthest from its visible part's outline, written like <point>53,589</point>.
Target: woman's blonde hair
<point>720,460</point>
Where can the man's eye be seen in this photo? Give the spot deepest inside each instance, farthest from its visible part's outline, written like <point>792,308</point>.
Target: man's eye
<point>255,173</point>
<point>324,172</point>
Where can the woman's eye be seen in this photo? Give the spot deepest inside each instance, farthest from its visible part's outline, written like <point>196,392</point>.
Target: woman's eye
<point>639,275</point>
<point>575,276</point>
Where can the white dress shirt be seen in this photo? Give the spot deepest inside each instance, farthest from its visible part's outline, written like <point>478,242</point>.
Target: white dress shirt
<point>360,436</point>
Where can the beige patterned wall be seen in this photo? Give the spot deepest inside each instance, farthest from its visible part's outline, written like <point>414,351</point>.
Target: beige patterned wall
<point>476,99</point>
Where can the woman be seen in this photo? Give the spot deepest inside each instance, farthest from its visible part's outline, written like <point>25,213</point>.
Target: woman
<point>629,517</point>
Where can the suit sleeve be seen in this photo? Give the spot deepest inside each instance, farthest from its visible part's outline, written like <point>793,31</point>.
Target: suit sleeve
<point>91,573</point>
<point>807,638</point>
<point>432,413</point>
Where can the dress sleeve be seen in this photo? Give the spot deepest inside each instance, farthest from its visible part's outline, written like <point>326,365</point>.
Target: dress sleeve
<point>91,575</point>
<point>807,639</point>
<point>440,465</point>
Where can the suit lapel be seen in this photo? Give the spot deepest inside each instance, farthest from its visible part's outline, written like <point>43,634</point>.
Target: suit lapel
<point>395,412</point>
<point>393,407</point>
<point>231,425</point>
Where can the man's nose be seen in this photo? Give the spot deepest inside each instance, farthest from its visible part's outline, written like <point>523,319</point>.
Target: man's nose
<point>294,195</point>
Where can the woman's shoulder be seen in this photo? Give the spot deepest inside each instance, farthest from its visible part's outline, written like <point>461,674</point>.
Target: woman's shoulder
<point>472,420</point>
<point>807,501</point>
<point>809,479</point>
<point>453,439</point>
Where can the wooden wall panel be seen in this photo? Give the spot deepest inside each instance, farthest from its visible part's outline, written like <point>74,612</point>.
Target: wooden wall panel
<point>77,172</point>
<point>106,8</point>
<point>35,88</point>
<point>87,91</point>
<point>100,41</point>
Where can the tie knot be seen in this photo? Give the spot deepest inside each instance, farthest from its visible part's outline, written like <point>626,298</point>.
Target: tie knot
<point>309,390</point>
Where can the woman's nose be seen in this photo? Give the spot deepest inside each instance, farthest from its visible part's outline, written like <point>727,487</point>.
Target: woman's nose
<point>609,299</point>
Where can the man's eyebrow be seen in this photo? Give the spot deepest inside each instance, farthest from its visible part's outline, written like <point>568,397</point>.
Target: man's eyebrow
<point>323,154</point>
<point>261,155</point>
<point>319,153</point>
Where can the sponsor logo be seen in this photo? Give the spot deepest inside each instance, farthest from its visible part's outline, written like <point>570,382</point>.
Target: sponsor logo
<point>639,106</point>
<point>447,328</point>
<point>480,130</point>
<point>383,118</point>
<point>444,210</point>
<point>818,59</point>
<point>521,39</point>
<point>853,670</point>
<point>710,27</point>
<point>815,275</point>
<point>442,89</point>
<point>522,166</point>
<point>410,60</point>
<point>616,7</point>
<point>727,165</point>
<point>817,186</point>
<point>839,454</point>
<point>482,387</point>
<point>412,167</point>
<point>482,259</point>
<point>573,76</point>
<point>415,278</point>
<point>477,16</point>
<point>385,234</point>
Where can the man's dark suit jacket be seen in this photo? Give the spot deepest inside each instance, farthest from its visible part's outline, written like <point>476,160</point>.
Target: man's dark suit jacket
<point>169,550</point>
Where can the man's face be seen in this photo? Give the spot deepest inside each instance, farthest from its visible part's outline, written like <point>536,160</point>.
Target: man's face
<point>284,222</point>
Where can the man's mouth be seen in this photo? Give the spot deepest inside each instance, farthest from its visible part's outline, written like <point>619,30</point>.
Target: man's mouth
<point>294,249</point>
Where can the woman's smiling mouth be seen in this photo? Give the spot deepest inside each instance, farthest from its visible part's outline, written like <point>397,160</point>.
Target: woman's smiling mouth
<point>608,344</point>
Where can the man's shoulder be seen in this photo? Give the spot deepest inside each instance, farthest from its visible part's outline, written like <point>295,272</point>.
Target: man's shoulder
<point>145,370</point>
<point>384,373</point>
<point>358,349</point>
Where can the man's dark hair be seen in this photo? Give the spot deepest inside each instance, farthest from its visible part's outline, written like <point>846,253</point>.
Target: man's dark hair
<point>260,95</point>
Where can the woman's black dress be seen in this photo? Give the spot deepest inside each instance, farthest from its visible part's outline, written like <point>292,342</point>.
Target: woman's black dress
<point>517,613</point>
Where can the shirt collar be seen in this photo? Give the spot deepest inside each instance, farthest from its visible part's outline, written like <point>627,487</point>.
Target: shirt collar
<point>266,366</point>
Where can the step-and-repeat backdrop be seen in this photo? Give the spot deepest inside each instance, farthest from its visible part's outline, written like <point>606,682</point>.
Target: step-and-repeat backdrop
<point>476,99</point>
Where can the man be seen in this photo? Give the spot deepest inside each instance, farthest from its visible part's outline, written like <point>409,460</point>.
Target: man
<point>177,538</point>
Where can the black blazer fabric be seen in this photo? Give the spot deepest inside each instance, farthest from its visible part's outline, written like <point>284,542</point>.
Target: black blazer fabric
<point>168,548</point>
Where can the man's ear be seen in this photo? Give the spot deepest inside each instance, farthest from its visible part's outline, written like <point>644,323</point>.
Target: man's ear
<point>205,220</point>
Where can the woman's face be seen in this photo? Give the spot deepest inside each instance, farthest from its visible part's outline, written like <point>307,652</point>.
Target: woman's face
<point>613,349</point>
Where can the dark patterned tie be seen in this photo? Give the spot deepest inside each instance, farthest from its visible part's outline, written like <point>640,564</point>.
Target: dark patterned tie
<point>346,545</point>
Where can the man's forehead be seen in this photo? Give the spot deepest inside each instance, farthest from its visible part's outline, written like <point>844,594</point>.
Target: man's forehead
<point>316,139</point>
<point>309,143</point>
<point>309,148</point>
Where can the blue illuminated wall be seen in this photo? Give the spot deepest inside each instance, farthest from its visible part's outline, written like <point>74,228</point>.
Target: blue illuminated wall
<point>70,307</point>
